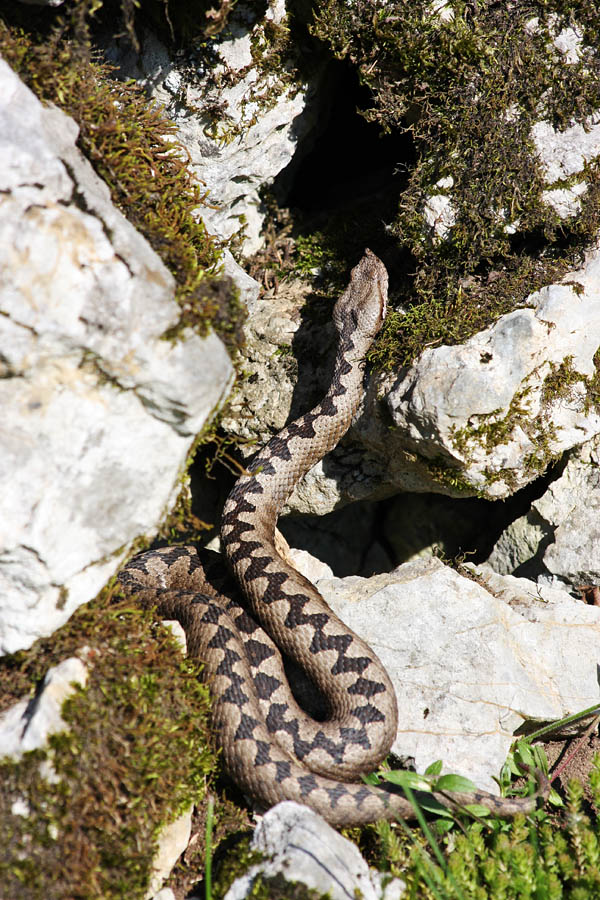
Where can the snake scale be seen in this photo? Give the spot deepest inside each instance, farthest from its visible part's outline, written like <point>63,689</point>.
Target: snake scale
<point>272,748</point>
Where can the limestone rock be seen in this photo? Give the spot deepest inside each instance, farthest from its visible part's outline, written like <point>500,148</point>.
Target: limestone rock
<point>28,724</point>
<point>517,550</point>
<point>172,841</point>
<point>559,538</point>
<point>298,846</point>
<point>99,410</point>
<point>486,410</point>
<point>470,665</point>
<point>262,114</point>
<point>249,288</point>
<point>262,401</point>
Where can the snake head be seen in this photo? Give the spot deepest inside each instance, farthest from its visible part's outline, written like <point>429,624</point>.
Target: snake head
<point>361,309</point>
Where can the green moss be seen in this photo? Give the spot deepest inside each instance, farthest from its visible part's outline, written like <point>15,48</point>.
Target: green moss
<point>277,887</point>
<point>234,862</point>
<point>493,428</point>
<point>131,145</point>
<point>559,384</point>
<point>135,755</point>
<point>469,85</point>
<point>448,475</point>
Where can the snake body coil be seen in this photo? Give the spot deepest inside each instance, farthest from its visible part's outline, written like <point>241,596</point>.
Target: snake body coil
<point>271,746</point>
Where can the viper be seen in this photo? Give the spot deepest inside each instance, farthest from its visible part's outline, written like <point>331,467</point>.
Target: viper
<point>271,746</point>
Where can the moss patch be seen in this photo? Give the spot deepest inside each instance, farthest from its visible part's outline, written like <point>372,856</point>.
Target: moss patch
<point>469,82</point>
<point>135,756</point>
<point>563,378</point>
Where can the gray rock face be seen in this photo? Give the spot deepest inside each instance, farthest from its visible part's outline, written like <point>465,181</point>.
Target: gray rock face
<point>261,119</point>
<point>484,407</point>
<point>470,665</point>
<point>99,410</point>
<point>29,723</point>
<point>300,847</point>
<point>559,538</point>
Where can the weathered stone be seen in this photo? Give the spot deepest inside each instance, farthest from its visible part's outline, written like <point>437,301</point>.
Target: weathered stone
<point>298,846</point>
<point>559,538</point>
<point>518,546</point>
<point>483,409</point>
<point>249,288</point>
<point>172,841</point>
<point>29,723</point>
<point>261,120</point>
<point>99,409</point>
<point>260,404</point>
<point>470,666</point>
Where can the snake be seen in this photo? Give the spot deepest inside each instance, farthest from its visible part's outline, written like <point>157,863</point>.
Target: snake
<point>273,745</point>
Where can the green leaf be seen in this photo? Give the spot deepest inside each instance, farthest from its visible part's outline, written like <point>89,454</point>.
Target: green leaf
<point>541,759</point>
<point>523,754</point>
<point>512,766</point>
<point>434,769</point>
<point>477,809</point>
<point>412,780</point>
<point>371,778</point>
<point>431,805</point>
<point>455,783</point>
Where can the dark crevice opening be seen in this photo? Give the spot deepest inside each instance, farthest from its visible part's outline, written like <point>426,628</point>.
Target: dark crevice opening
<point>462,528</point>
<point>350,159</point>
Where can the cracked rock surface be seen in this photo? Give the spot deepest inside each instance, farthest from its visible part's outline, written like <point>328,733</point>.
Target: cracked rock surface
<point>471,661</point>
<point>298,846</point>
<point>99,410</point>
<point>262,116</point>
<point>557,540</point>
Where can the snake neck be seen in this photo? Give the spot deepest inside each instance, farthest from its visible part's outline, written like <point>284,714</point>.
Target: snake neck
<point>284,461</point>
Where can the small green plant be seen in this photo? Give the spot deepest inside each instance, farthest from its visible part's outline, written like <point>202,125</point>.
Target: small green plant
<point>552,854</point>
<point>208,838</point>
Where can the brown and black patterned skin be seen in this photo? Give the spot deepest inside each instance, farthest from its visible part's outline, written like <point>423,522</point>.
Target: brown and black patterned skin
<point>272,748</point>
